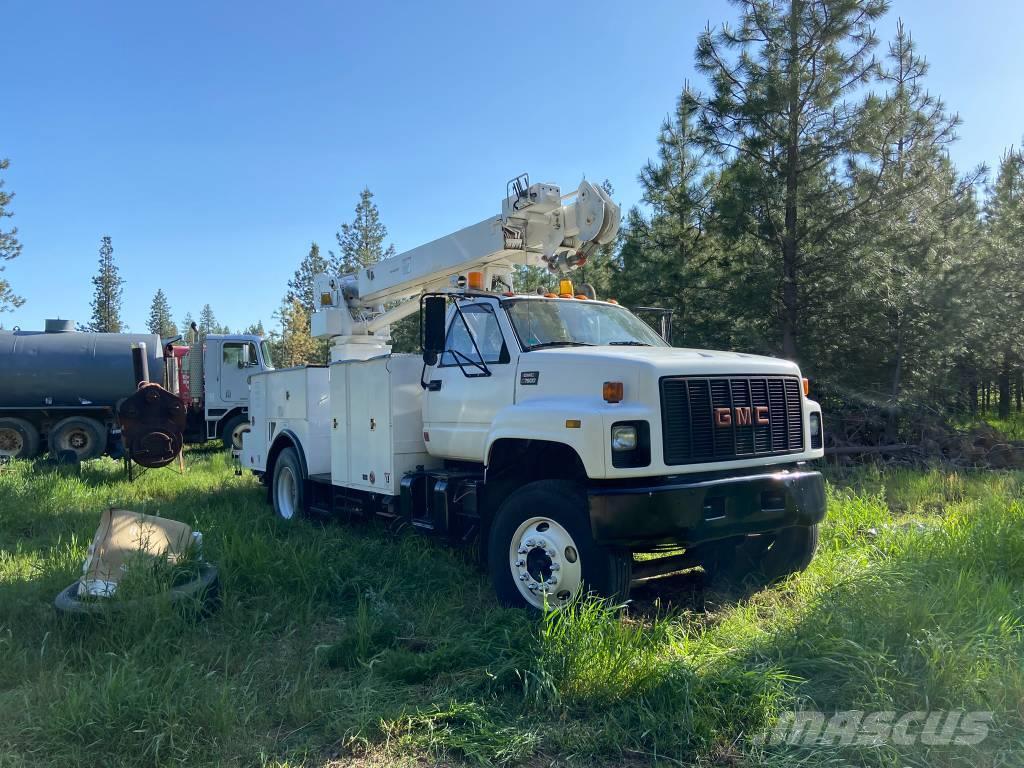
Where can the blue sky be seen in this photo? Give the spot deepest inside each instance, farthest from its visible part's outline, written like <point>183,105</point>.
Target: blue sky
<point>214,141</point>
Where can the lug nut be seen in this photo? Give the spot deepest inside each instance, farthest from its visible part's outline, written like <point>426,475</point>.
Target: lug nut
<point>520,563</point>
<point>556,567</point>
<point>523,550</point>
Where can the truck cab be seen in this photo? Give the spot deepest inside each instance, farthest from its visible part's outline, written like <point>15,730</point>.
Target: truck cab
<point>212,377</point>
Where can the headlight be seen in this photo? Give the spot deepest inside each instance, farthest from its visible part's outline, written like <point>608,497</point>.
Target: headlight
<point>815,429</point>
<point>624,438</point>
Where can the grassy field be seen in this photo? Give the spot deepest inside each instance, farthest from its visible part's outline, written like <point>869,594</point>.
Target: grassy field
<point>345,645</point>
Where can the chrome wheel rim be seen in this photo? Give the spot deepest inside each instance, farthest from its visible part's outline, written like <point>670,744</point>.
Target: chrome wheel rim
<point>545,563</point>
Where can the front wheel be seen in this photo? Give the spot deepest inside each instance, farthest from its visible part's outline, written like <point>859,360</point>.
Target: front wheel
<point>541,552</point>
<point>234,428</point>
<point>288,487</point>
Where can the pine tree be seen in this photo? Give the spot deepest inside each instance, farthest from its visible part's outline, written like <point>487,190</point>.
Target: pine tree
<point>255,329</point>
<point>907,238</point>
<point>208,321</point>
<point>783,114</point>
<point>10,247</point>
<point>160,321</point>
<point>361,243</point>
<point>295,346</point>
<point>186,324</point>
<point>668,259</point>
<point>1002,275</point>
<point>301,285</point>
<point>108,287</point>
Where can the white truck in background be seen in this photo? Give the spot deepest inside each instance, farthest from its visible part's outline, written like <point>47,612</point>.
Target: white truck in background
<point>557,430</point>
<point>218,409</point>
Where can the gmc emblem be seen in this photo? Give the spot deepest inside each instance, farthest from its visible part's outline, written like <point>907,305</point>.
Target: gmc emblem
<point>743,416</point>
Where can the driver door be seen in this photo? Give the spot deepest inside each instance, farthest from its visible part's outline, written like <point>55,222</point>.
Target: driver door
<point>237,358</point>
<point>473,379</point>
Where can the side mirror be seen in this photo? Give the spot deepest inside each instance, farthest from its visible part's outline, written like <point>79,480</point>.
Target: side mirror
<point>434,310</point>
<point>244,360</point>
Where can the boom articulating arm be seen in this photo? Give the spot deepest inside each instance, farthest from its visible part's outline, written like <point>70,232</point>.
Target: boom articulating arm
<point>537,226</point>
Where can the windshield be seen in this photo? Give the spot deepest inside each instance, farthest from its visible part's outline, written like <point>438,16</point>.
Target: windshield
<point>268,361</point>
<point>554,323</point>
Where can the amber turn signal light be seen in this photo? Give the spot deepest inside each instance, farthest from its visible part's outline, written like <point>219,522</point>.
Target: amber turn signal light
<point>807,386</point>
<point>612,391</point>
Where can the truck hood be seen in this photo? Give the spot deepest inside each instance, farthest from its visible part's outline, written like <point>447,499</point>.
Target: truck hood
<point>578,372</point>
<point>665,361</point>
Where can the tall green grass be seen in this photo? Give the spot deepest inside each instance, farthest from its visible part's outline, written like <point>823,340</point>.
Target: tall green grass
<point>339,644</point>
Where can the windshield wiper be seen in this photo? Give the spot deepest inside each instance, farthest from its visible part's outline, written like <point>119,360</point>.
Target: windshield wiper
<point>630,343</point>
<point>560,344</point>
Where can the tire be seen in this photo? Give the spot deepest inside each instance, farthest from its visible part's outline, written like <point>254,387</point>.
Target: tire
<point>760,561</point>
<point>204,589</point>
<point>542,532</point>
<point>288,487</point>
<point>19,439</point>
<point>232,431</point>
<point>85,436</point>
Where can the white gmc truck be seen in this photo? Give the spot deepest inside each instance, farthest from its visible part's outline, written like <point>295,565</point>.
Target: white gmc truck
<point>558,431</point>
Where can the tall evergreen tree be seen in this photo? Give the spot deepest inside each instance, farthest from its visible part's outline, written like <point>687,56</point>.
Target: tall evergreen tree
<point>160,321</point>
<point>186,324</point>
<point>108,286</point>
<point>667,258</point>
<point>295,346</point>
<point>208,321</point>
<point>10,246</point>
<point>301,285</point>
<point>783,113</point>
<point>1003,275</point>
<point>361,242</point>
<point>907,239</point>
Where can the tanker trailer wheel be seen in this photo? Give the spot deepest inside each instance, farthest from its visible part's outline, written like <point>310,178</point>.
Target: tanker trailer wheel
<point>541,550</point>
<point>86,437</point>
<point>287,488</point>
<point>233,430</point>
<point>19,439</point>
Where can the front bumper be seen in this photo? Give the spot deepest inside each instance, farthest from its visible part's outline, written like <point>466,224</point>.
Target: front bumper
<point>652,515</point>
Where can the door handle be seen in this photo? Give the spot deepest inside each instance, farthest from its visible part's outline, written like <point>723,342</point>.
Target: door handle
<point>434,385</point>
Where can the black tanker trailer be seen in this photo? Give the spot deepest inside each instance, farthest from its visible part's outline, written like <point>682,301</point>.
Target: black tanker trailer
<point>60,388</point>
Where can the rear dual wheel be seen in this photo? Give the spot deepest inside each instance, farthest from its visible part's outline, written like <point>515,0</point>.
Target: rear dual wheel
<point>83,436</point>
<point>19,439</point>
<point>541,552</point>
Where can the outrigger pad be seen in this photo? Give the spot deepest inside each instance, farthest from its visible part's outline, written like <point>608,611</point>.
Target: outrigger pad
<point>123,536</point>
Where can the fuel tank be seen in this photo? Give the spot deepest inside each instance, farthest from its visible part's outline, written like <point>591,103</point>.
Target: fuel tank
<point>61,367</point>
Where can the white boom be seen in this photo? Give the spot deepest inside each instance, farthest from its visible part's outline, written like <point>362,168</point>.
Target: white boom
<point>536,226</point>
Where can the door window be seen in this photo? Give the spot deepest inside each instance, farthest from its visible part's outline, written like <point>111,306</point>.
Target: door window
<point>481,326</point>
<point>235,357</point>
